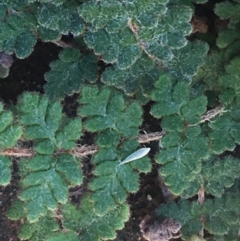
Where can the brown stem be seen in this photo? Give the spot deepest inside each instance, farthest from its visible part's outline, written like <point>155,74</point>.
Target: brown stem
<point>212,113</point>
<point>90,150</point>
<point>63,44</point>
<point>201,195</point>
<point>17,152</point>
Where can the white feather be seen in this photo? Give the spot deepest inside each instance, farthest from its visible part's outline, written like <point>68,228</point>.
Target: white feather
<point>136,155</point>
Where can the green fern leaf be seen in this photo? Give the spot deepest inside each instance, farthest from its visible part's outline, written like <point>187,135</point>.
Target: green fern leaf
<point>94,227</point>
<point>106,109</point>
<point>231,78</point>
<point>72,70</point>
<point>186,213</point>
<point>3,9</point>
<point>113,182</point>
<point>5,167</point>
<point>69,236</point>
<point>107,139</point>
<point>24,44</point>
<point>219,217</point>
<point>225,132</point>
<point>55,2</point>
<point>48,183</point>
<point>17,210</point>
<point>128,80</point>
<point>187,60</point>
<point>228,36</point>
<point>216,175</point>
<point>214,66</point>
<point>18,32</point>
<point>42,121</point>
<point>48,34</point>
<point>9,133</point>
<point>181,158</point>
<point>174,104</point>
<point>38,231</point>
<point>60,17</point>
<point>228,10</point>
<point>122,44</point>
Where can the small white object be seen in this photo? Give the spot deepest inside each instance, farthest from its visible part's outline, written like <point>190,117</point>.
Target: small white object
<point>136,155</point>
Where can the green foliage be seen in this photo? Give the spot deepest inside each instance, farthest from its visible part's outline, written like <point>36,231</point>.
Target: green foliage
<point>44,123</point>
<point>107,109</point>
<point>70,236</point>
<point>40,230</point>
<point>228,10</point>
<point>216,175</point>
<point>113,182</point>
<point>231,77</point>
<point>218,216</point>
<point>25,21</point>
<point>215,66</point>
<point>91,226</point>
<point>228,36</point>
<point>70,72</point>
<point>123,55</point>
<point>125,41</point>
<point>181,158</point>
<point>174,104</point>
<point>17,32</point>
<point>128,80</point>
<point>5,167</point>
<point>46,183</point>
<point>119,42</point>
<point>59,17</point>
<point>9,132</point>
<point>187,60</point>
<point>224,133</point>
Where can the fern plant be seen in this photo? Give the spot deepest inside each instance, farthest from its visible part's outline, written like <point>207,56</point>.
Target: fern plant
<point>123,55</point>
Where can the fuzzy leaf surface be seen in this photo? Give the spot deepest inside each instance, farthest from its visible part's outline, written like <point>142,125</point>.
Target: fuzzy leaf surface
<point>124,42</point>
<point>231,78</point>
<point>228,10</point>
<point>224,133</point>
<point>40,230</point>
<point>128,80</point>
<point>17,31</point>
<point>174,104</point>
<point>5,173</point>
<point>93,227</point>
<point>9,133</point>
<point>216,175</point>
<point>69,73</point>
<point>188,60</point>
<point>228,36</point>
<point>186,213</point>
<point>181,158</point>
<point>112,182</point>
<point>69,236</point>
<point>107,109</point>
<point>218,216</point>
<point>61,18</point>
<point>43,122</point>
<point>47,182</point>
<point>17,210</point>
<point>215,65</point>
